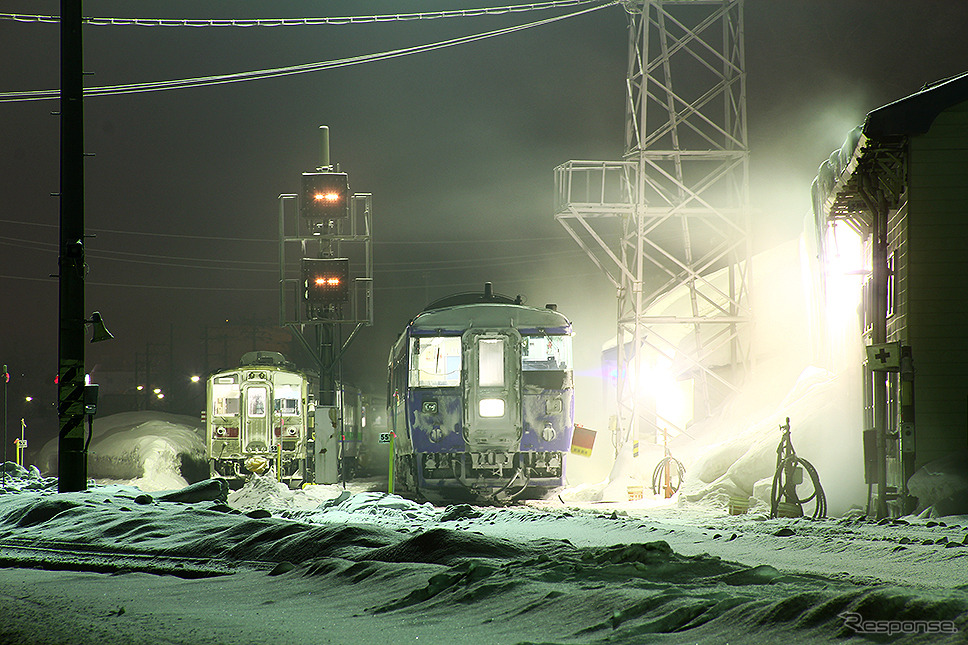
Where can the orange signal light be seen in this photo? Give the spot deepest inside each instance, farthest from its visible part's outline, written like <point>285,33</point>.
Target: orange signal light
<point>331,197</point>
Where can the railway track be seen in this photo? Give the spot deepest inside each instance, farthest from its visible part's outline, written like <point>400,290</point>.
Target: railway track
<point>70,556</point>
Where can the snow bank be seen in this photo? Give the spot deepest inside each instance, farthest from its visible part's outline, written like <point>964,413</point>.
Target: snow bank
<point>151,450</point>
<point>823,432</point>
<point>941,487</point>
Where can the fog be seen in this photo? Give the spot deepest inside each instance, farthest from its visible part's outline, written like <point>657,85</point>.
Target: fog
<point>458,148</point>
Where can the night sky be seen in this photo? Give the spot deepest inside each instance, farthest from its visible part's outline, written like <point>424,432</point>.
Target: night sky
<point>458,147</point>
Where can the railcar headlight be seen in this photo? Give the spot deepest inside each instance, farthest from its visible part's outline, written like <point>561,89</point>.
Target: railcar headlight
<point>491,407</point>
<point>548,433</point>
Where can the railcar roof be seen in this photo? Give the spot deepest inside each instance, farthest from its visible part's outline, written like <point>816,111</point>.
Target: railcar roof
<point>489,316</point>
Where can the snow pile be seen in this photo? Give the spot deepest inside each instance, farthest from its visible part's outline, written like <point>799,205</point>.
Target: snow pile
<point>262,491</point>
<point>15,477</point>
<point>372,507</point>
<point>941,487</point>
<point>151,450</point>
<point>822,431</point>
<point>738,457</point>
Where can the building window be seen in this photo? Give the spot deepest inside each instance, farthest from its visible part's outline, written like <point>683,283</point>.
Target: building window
<point>890,284</point>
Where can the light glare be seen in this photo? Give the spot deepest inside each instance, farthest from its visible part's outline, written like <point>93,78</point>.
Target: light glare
<point>491,407</point>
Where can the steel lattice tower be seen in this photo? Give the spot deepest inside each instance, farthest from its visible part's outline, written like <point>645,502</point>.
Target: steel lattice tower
<point>669,224</point>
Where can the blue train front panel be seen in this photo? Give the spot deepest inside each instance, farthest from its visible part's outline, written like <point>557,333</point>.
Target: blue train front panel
<point>488,405</point>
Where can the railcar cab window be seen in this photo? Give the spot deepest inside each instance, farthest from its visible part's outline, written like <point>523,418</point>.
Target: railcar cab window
<point>435,361</point>
<point>546,353</point>
<point>225,397</point>
<point>256,400</point>
<point>490,352</point>
<point>286,400</point>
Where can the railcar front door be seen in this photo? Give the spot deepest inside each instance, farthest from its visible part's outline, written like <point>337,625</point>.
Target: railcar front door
<point>257,432</point>
<point>492,396</point>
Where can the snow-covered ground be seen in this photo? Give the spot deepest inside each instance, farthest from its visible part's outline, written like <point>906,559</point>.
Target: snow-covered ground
<point>351,565</point>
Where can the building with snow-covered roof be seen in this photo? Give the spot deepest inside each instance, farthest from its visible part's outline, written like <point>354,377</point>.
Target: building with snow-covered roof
<point>900,183</point>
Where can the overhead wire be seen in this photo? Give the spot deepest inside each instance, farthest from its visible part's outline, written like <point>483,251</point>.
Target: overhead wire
<point>265,240</point>
<point>265,266</point>
<point>301,22</point>
<point>286,71</point>
<point>238,77</point>
<point>52,280</point>
<point>471,284</point>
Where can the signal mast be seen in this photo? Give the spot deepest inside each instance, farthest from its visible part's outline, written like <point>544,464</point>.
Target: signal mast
<point>321,230</point>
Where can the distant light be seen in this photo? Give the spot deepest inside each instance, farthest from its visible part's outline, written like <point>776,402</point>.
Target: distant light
<point>28,399</point>
<point>157,390</point>
<point>140,387</point>
<point>195,378</point>
<point>161,395</point>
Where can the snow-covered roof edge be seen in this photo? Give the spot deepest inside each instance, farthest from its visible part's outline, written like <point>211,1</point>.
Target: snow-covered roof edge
<point>911,115</point>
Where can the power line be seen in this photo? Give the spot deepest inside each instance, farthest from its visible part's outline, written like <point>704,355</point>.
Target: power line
<point>263,240</point>
<point>221,288</point>
<point>266,266</point>
<point>238,77</point>
<point>300,22</point>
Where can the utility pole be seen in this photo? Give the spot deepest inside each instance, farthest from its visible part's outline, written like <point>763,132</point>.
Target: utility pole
<point>72,455</point>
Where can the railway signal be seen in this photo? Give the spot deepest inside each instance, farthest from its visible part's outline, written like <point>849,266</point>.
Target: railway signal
<point>322,227</point>
<point>325,280</point>
<point>325,196</point>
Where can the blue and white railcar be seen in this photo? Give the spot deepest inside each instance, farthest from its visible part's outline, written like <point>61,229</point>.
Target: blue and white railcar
<point>481,399</point>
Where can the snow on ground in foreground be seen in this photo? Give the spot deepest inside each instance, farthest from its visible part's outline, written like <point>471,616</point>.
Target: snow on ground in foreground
<point>328,564</point>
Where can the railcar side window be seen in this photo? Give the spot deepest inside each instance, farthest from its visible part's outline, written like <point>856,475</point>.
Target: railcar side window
<point>225,398</point>
<point>547,353</point>
<point>435,361</point>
